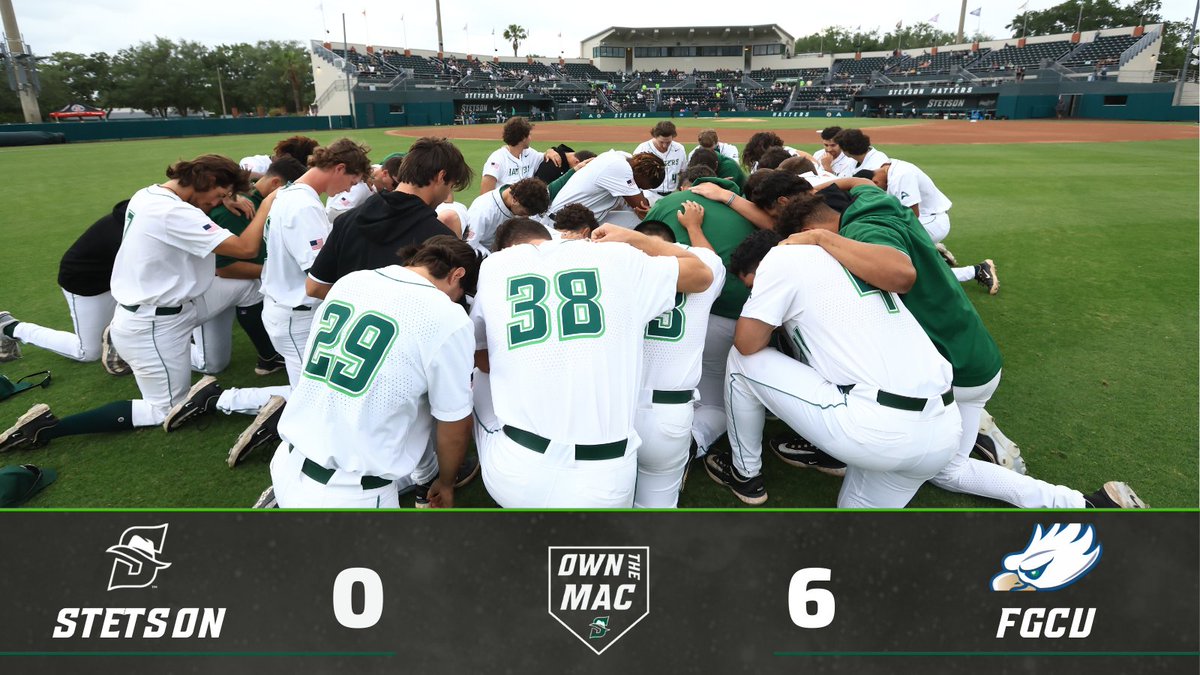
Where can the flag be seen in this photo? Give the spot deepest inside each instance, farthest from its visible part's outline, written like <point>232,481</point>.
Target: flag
<point>1023,6</point>
<point>978,11</point>
<point>899,24</point>
<point>934,18</point>
<point>316,244</point>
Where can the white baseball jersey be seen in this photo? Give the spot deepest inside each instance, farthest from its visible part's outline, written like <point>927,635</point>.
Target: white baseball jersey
<point>166,256</point>
<point>674,161</point>
<point>256,163</point>
<point>818,180</point>
<point>848,331</point>
<point>727,149</point>
<point>295,232</point>
<point>387,354</point>
<point>912,186</point>
<point>674,340</point>
<point>487,212</point>
<point>563,322</point>
<point>841,163</point>
<point>600,186</point>
<point>871,161</point>
<point>344,201</point>
<point>507,169</point>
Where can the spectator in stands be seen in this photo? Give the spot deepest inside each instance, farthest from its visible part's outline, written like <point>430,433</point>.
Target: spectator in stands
<point>575,221</point>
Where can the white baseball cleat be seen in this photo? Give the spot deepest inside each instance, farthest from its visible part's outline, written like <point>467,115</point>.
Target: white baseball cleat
<point>996,448</point>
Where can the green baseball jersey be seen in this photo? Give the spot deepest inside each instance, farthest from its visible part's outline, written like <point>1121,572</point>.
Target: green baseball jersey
<point>237,224</point>
<point>729,168</point>
<point>936,299</point>
<point>723,227</point>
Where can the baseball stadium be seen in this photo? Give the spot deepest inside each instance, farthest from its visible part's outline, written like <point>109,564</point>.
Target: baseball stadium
<point>1070,158</point>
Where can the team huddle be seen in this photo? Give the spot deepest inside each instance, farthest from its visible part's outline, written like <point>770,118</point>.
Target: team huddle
<point>593,323</point>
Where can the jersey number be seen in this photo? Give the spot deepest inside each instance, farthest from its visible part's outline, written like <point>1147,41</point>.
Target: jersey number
<point>864,289</point>
<point>669,326</point>
<point>579,315</point>
<point>347,351</point>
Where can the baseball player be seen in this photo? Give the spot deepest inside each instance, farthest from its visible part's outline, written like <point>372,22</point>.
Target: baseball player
<point>882,243</point>
<point>236,291</point>
<point>574,221</point>
<point>527,197</point>
<point>857,146</point>
<point>300,147</point>
<point>758,144</point>
<point>721,165</point>
<point>561,323</point>
<point>610,181</point>
<point>390,353</point>
<point>672,354</point>
<point>294,234</point>
<point>913,187</point>
<point>708,140</point>
<point>662,144</point>
<point>722,229</point>
<point>84,275</point>
<point>515,160</point>
<point>549,172</point>
<point>165,263</point>
<point>869,387</point>
<point>830,159</point>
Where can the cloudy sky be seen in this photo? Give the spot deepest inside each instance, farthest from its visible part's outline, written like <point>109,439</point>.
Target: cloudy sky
<point>468,25</point>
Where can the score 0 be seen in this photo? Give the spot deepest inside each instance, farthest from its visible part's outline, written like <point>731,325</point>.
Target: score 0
<point>343,597</point>
<point>810,607</point>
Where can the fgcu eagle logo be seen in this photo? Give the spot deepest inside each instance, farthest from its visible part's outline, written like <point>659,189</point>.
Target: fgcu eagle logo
<point>599,592</point>
<point>1053,559</point>
<point>137,563</point>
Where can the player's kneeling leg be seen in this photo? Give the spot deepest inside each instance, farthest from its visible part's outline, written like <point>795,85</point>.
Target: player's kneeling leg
<point>666,433</point>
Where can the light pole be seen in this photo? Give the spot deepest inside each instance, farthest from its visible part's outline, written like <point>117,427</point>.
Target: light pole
<point>346,62</point>
<point>21,65</point>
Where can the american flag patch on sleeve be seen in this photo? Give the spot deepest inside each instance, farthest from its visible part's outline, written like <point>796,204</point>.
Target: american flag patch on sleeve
<point>208,226</point>
<point>316,244</point>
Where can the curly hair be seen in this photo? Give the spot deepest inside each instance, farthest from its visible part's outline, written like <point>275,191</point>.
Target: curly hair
<point>773,157</point>
<point>575,218</point>
<point>342,151</point>
<point>801,212</point>
<point>853,141</point>
<point>532,194</point>
<point>758,144</point>
<point>210,171</point>
<point>648,170</point>
<point>772,186</point>
<point>664,128</point>
<point>516,130</point>
<point>746,257</point>
<point>300,147</point>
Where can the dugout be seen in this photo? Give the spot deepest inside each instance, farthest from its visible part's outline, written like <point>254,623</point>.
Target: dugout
<point>927,100</point>
<point>431,107</point>
<point>1147,101</point>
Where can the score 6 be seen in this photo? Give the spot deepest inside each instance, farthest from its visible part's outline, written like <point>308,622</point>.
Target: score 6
<point>801,597</point>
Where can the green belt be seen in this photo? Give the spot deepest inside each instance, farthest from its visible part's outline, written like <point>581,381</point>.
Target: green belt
<point>322,475</point>
<point>583,452</point>
<point>659,396</point>
<point>158,311</point>
<point>899,402</point>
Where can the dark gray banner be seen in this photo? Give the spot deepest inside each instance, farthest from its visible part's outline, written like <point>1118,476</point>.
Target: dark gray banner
<point>624,593</point>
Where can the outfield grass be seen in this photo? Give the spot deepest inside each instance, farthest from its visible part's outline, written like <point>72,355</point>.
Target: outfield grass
<point>1096,246</point>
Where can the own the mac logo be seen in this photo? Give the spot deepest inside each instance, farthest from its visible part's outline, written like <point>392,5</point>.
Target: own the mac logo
<point>137,564</point>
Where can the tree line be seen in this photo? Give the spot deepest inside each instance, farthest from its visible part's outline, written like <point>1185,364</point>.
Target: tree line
<point>178,78</point>
<point>1061,18</point>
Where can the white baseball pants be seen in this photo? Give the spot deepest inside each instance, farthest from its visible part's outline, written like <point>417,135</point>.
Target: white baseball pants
<point>977,477</point>
<point>90,315</point>
<point>666,433</point>
<point>517,477</point>
<point>937,225</point>
<point>709,421</point>
<point>158,349</point>
<point>295,490</point>
<point>888,453</point>
<point>212,340</point>
<point>288,330</point>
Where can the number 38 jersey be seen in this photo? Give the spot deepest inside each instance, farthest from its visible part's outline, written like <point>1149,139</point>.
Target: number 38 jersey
<point>563,323</point>
<point>849,331</point>
<point>388,352</point>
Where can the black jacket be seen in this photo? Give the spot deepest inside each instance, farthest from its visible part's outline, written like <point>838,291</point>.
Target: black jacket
<point>86,268</point>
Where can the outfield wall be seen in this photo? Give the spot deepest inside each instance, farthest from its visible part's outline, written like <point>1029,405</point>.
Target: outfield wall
<point>1149,102</point>
<point>119,130</point>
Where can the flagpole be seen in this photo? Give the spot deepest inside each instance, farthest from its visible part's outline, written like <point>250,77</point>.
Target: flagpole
<point>1079,21</point>
<point>962,20</point>
<point>349,89</point>
<point>1024,21</point>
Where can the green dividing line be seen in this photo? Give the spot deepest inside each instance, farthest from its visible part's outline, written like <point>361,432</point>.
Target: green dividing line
<point>943,654</point>
<point>190,654</point>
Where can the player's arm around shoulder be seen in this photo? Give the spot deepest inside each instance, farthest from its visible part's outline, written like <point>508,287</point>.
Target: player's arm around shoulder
<point>246,245</point>
<point>694,275</point>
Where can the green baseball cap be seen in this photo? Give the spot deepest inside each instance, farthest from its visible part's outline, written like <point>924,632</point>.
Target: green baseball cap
<point>19,483</point>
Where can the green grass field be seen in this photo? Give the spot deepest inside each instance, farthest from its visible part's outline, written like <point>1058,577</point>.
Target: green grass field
<point>1096,246</point>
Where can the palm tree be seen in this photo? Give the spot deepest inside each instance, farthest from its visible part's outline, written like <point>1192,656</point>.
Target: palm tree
<point>516,35</point>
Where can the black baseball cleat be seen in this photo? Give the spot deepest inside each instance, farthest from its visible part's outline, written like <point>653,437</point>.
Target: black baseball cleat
<point>109,358</point>
<point>466,473</point>
<point>24,434</point>
<point>985,274</point>
<point>201,399</point>
<point>271,365</point>
<point>1114,495</point>
<point>797,451</point>
<point>719,466</point>
<point>263,430</point>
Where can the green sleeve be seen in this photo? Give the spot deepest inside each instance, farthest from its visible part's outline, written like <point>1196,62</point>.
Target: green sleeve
<point>871,201</point>
<point>731,169</point>
<point>870,232</point>
<point>559,182</point>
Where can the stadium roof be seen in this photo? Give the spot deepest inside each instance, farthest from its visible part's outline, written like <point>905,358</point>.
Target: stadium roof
<point>625,33</point>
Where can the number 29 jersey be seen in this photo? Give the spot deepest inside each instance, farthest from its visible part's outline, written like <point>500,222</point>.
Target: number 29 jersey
<point>563,323</point>
<point>388,352</point>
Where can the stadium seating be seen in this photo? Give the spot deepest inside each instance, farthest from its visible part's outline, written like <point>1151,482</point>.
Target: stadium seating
<point>768,99</point>
<point>821,97</point>
<point>859,69</point>
<point>1030,55</point>
<point>628,101</point>
<point>1105,48</point>
<point>534,69</point>
<point>942,62</point>
<point>586,71</point>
